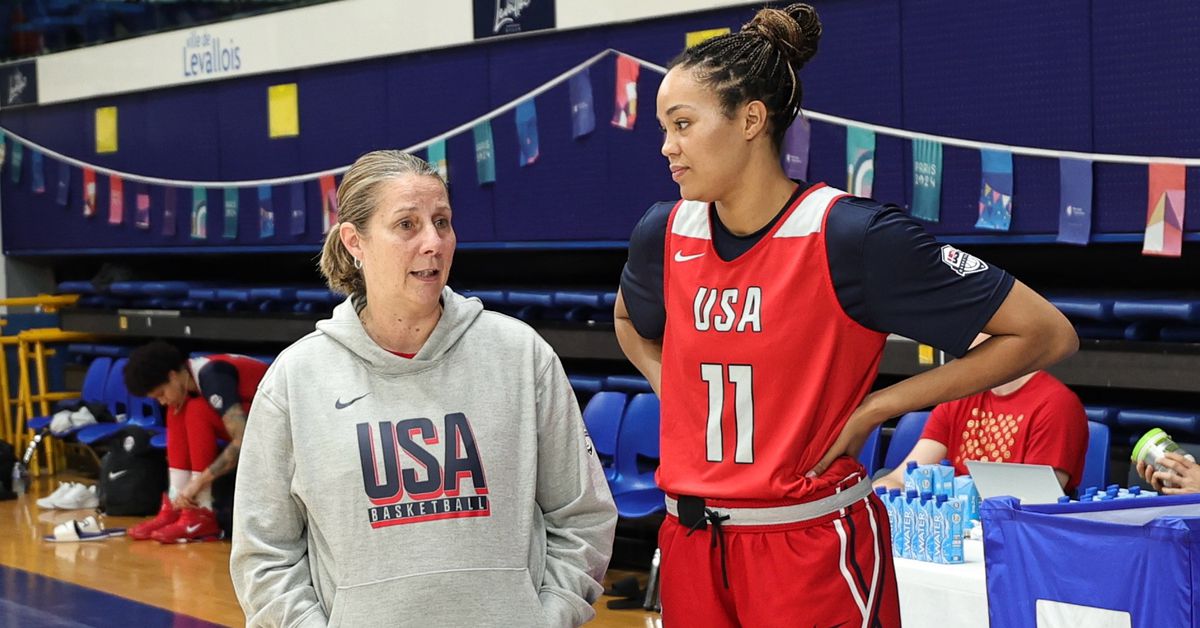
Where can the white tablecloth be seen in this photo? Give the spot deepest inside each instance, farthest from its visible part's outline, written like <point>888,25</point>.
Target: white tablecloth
<point>944,596</point>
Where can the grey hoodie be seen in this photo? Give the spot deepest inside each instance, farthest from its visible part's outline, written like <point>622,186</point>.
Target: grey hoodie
<point>458,488</point>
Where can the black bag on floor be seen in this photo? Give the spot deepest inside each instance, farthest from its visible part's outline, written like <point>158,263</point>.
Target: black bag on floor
<point>133,475</point>
<point>8,460</point>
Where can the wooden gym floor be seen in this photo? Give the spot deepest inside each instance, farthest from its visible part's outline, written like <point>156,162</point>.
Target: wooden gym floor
<point>120,582</point>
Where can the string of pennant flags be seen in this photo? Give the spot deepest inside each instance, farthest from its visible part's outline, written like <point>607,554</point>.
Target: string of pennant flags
<point>1166,175</point>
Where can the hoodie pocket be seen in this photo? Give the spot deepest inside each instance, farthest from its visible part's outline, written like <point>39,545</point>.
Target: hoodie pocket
<point>467,597</point>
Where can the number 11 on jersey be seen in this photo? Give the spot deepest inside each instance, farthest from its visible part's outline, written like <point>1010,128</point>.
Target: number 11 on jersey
<point>742,378</point>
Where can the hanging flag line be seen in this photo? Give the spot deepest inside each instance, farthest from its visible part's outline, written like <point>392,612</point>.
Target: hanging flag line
<point>554,82</point>
<point>183,183</point>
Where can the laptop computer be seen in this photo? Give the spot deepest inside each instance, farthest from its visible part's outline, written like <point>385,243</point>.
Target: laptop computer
<point>1030,483</point>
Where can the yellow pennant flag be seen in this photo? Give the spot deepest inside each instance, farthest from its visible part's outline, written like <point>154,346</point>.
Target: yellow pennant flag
<point>106,130</point>
<point>283,115</point>
<point>697,37</point>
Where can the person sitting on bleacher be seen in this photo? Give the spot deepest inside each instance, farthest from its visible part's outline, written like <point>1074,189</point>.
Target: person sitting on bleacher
<point>207,400</point>
<point>1034,419</point>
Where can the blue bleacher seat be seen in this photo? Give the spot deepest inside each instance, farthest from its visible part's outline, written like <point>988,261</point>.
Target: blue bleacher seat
<point>233,294</point>
<point>273,299</point>
<point>1179,333</point>
<point>870,454</point>
<point>1095,463</point>
<point>904,438</point>
<point>168,288</point>
<point>1181,310</point>
<point>95,379</point>
<point>94,382</point>
<point>316,299</point>
<point>116,396</point>
<point>76,287</point>
<point>1101,331</point>
<point>627,383</point>
<point>537,298</point>
<point>491,298</point>
<point>1171,421</point>
<point>319,295</point>
<point>602,416</point>
<point>145,412</point>
<point>582,305</point>
<point>530,305</point>
<point>159,441</point>
<point>176,289</point>
<point>81,348</point>
<point>610,299</point>
<point>1102,414</point>
<point>1074,307</point>
<point>1142,330</point>
<point>142,412</point>
<point>586,384</point>
<point>234,299</point>
<point>112,351</point>
<point>579,298</point>
<point>637,456</point>
<point>282,293</point>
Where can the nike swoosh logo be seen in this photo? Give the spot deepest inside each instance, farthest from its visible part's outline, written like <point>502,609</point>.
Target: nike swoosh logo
<point>342,406</point>
<point>680,257</point>
<point>192,528</point>
<point>112,475</point>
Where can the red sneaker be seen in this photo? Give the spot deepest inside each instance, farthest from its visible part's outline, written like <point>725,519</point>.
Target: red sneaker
<point>194,524</point>
<point>167,515</point>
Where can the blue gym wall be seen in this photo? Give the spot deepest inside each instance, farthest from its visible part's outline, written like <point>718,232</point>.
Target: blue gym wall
<point>1076,75</point>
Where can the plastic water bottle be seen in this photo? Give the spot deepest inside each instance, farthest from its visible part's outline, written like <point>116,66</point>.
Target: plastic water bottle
<point>1153,446</point>
<point>18,479</point>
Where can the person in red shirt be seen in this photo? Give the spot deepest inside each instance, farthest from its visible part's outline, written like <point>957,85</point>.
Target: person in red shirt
<point>1034,419</point>
<point>758,308</point>
<point>207,400</point>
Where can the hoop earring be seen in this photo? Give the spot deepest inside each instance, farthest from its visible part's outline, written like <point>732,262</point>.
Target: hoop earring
<point>358,263</point>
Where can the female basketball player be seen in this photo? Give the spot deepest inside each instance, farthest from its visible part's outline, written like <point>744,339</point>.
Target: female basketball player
<point>758,308</point>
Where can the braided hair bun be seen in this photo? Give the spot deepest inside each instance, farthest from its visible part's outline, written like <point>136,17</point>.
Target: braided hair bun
<point>794,31</point>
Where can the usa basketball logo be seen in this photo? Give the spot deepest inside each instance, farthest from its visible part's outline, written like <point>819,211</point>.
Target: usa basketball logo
<point>962,263</point>
<point>420,472</point>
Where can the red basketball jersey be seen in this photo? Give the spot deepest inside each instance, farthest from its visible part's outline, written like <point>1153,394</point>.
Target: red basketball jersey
<point>761,366</point>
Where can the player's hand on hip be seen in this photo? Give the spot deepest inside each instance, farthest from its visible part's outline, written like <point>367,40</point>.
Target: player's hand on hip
<point>851,440</point>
